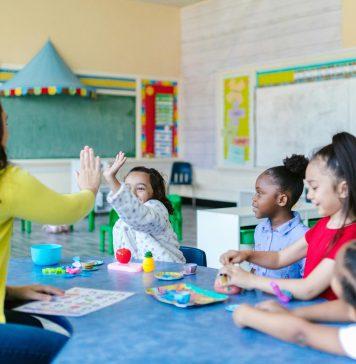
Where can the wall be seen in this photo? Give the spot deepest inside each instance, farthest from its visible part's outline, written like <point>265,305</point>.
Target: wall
<point>227,34</point>
<point>348,23</point>
<point>114,36</point>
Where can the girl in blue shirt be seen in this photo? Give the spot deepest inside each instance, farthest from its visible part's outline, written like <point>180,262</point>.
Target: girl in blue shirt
<point>277,191</point>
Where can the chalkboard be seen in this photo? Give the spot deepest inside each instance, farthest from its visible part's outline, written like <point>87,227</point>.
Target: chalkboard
<point>301,118</point>
<point>59,126</point>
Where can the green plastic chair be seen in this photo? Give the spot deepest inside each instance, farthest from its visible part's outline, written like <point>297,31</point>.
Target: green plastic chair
<point>312,222</point>
<point>176,218</point>
<point>107,229</point>
<point>26,226</point>
<point>91,221</point>
<point>247,235</point>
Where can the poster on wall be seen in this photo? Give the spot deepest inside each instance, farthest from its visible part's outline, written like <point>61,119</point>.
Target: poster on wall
<point>159,117</point>
<point>236,126</point>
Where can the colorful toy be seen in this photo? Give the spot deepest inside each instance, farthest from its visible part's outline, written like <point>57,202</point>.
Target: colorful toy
<point>189,269</point>
<point>283,296</point>
<point>123,255</point>
<point>72,270</point>
<point>185,295</point>
<point>46,254</point>
<point>169,276</point>
<point>53,271</point>
<point>221,287</point>
<point>148,263</point>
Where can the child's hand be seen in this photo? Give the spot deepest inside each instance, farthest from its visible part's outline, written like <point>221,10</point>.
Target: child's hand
<point>234,256</point>
<point>242,314</point>
<point>271,306</point>
<point>111,171</point>
<point>88,177</point>
<point>237,277</point>
<point>35,292</point>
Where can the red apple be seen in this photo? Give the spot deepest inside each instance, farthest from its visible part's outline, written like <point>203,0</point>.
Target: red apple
<point>123,255</point>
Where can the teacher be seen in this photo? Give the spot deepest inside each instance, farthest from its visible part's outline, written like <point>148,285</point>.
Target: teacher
<point>23,196</point>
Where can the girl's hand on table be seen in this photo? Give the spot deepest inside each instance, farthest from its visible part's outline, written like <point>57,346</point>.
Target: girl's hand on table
<point>237,277</point>
<point>88,176</point>
<point>234,256</point>
<point>35,292</point>
<point>271,306</point>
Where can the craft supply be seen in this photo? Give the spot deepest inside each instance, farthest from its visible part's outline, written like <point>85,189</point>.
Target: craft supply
<point>189,269</point>
<point>221,287</point>
<point>123,255</point>
<point>77,301</point>
<point>231,308</point>
<point>148,263</point>
<point>53,271</point>
<point>185,295</point>
<point>168,276</point>
<point>129,267</point>
<point>283,296</point>
<point>76,262</point>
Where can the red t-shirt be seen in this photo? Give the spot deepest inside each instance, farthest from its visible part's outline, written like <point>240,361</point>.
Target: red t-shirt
<point>318,238</point>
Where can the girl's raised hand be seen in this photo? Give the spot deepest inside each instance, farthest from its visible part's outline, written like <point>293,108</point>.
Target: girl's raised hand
<point>113,169</point>
<point>88,176</point>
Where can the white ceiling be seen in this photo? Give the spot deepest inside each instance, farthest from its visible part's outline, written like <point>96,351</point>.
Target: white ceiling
<point>177,3</point>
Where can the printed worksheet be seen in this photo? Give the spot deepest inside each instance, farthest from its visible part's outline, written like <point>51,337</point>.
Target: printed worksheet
<point>77,301</point>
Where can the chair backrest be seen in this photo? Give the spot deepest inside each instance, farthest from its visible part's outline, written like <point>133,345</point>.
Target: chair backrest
<point>113,217</point>
<point>181,174</point>
<point>194,255</point>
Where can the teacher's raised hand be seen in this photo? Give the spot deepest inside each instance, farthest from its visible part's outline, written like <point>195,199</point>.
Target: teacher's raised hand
<point>88,176</point>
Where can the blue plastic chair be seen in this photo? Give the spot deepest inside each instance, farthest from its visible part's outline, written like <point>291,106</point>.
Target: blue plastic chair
<point>194,255</point>
<point>182,174</point>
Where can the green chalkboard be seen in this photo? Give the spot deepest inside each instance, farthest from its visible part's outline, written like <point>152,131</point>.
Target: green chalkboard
<point>59,126</point>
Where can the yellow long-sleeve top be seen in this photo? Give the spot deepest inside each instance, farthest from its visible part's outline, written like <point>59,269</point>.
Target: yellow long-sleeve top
<point>23,196</point>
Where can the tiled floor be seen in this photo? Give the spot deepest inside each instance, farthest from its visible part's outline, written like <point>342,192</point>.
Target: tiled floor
<point>82,242</point>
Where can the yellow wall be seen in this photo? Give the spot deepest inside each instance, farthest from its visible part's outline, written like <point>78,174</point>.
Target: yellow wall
<point>348,23</point>
<point>115,36</point>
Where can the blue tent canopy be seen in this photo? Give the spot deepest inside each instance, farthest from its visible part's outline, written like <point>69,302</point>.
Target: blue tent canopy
<point>46,73</point>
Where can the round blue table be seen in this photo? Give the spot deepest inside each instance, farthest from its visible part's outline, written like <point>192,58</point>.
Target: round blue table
<point>141,329</point>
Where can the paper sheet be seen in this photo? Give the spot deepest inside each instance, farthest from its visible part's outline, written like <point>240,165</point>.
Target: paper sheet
<point>77,301</point>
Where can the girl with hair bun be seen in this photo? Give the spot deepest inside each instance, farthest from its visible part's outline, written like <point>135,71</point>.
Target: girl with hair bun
<point>277,191</point>
<point>331,178</point>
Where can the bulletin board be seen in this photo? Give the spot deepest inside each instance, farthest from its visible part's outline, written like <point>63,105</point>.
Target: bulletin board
<point>159,118</point>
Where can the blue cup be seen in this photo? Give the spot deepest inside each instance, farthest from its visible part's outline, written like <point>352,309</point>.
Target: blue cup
<point>46,254</point>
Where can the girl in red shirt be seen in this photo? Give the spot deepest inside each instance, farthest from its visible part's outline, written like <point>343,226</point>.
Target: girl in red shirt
<point>331,177</point>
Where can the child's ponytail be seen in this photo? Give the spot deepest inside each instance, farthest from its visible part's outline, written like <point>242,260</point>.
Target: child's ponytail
<point>290,176</point>
<point>340,158</point>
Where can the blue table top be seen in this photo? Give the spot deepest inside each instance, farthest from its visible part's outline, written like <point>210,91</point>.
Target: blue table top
<point>141,329</point>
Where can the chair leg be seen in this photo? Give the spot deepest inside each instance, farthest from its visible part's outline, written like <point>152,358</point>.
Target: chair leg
<point>23,225</point>
<point>102,241</point>
<point>111,244</point>
<point>91,221</point>
<point>28,227</point>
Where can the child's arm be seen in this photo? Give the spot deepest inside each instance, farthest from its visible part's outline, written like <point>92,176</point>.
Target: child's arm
<point>269,260</point>
<point>333,311</point>
<point>289,328</point>
<point>303,289</point>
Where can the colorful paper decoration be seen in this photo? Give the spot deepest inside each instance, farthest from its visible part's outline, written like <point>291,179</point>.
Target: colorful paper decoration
<point>159,118</point>
<point>236,129</point>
